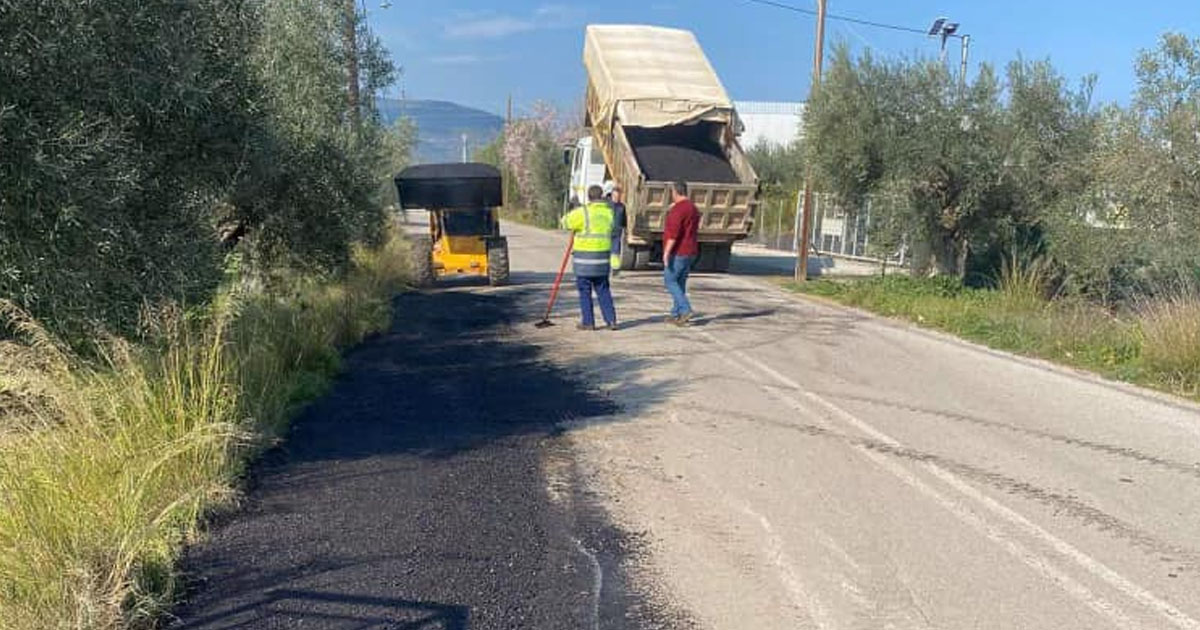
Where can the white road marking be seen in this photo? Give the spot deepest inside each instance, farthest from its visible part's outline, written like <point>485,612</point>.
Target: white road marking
<point>1034,560</point>
<point>785,567</point>
<point>788,574</point>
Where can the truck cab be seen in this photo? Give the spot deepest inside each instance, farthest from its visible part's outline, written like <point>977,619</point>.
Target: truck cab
<point>587,169</point>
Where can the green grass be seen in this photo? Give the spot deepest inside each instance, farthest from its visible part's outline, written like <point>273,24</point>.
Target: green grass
<point>107,470</point>
<point>1155,345</point>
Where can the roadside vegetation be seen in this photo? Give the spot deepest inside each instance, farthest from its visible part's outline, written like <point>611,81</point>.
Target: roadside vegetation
<point>1035,219</point>
<point>193,228</point>
<point>530,150</point>
<point>1155,343</point>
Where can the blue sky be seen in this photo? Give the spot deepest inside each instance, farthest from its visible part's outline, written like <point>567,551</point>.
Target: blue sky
<point>476,52</point>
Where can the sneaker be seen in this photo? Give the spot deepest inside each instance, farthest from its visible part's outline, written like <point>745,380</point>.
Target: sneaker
<point>584,327</point>
<point>683,320</point>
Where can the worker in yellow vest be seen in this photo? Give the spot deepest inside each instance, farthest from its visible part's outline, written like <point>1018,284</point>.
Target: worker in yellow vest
<point>593,226</point>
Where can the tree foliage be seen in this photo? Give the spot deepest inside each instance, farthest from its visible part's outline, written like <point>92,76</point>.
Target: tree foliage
<point>1023,163</point>
<point>974,166</point>
<point>134,136</point>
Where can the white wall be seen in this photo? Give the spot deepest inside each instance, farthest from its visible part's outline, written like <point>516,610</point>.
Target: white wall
<point>775,122</point>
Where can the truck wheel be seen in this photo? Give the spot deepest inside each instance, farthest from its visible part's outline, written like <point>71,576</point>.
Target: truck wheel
<point>497,261</point>
<point>707,259</point>
<point>641,258</point>
<point>628,257</point>
<point>422,261</point>
<point>721,259</point>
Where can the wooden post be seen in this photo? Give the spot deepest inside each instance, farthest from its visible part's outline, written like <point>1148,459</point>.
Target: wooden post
<point>801,274</point>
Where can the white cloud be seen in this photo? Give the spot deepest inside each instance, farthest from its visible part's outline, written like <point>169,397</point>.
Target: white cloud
<point>465,60</point>
<point>495,26</point>
<point>489,27</point>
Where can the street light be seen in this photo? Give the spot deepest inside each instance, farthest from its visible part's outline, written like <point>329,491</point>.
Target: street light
<point>944,28</point>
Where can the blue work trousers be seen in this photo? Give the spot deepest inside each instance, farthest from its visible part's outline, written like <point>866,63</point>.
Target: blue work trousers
<point>599,284</point>
<point>675,275</point>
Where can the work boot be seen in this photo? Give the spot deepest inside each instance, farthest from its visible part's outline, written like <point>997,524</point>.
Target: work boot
<point>683,319</point>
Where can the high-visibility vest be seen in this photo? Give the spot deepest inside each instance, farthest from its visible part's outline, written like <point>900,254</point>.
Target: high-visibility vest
<point>592,225</point>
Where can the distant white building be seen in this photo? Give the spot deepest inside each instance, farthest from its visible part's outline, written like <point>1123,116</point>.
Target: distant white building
<point>774,122</point>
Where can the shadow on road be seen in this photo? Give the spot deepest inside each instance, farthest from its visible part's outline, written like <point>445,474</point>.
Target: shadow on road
<point>775,265</point>
<point>414,494</point>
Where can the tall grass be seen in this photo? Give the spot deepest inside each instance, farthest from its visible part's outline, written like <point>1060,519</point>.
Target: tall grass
<point>1170,328</point>
<point>108,470</point>
<point>1024,281</point>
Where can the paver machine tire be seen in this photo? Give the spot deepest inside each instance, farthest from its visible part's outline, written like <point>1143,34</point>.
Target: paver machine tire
<point>497,261</point>
<point>422,260</point>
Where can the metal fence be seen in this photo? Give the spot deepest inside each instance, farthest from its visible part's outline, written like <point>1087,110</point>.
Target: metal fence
<point>837,230</point>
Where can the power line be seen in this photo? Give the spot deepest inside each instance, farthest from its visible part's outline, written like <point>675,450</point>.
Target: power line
<point>842,18</point>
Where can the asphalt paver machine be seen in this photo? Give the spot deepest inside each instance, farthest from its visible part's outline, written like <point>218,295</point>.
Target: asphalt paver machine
<point>463,201</point>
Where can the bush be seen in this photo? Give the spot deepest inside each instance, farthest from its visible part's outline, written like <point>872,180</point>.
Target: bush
<point>107,471</point>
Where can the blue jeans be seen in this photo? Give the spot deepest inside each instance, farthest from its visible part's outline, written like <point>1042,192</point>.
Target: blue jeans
<point>599,284</point>
<point>675,276</point>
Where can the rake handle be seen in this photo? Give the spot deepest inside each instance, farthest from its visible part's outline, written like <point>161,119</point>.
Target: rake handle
<point>562,269</point>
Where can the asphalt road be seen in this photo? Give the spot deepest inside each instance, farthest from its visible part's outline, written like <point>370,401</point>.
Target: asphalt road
<point>432,489</point>
<point>781,464</point>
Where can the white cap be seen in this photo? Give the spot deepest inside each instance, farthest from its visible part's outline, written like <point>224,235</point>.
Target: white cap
<point>609,187</point>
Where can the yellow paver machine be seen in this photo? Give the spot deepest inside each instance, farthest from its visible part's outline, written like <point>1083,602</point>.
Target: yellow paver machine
<point>464,238</point>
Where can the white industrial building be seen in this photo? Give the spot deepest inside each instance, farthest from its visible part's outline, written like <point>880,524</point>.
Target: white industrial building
<point>774,122</point>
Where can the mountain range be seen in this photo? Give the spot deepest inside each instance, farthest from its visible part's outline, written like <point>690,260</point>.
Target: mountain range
<point>441,126</point>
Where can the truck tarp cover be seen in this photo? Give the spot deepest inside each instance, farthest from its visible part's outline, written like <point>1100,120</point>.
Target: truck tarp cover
<point>647,76</point>
<point>449,186</point>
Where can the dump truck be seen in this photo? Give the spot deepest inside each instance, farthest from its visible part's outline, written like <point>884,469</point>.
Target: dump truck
<point>463,237</point>
<point>656,113</point>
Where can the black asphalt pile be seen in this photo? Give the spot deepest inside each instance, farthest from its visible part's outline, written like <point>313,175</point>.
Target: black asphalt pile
<point>412,495</point>
<point>685,153</point>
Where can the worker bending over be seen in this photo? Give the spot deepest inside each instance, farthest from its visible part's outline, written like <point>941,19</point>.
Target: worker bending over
<point>593,226</point>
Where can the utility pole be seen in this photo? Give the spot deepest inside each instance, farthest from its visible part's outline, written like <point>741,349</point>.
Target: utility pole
<point>962,69</point>
<point>505,175</point>
<point>350,42</point>
<point>801,274</point>
<point>464,148</point>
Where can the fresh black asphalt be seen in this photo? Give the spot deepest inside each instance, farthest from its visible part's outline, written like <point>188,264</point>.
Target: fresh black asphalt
<point>413,495</point>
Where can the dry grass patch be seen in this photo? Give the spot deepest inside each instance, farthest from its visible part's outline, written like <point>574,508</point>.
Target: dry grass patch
<point>108,467</point>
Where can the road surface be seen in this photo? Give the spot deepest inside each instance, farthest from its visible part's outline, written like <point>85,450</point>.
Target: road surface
<point>780,464</point>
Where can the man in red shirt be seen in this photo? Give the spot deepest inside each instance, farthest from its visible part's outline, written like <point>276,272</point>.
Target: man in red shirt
<point>680,247</point>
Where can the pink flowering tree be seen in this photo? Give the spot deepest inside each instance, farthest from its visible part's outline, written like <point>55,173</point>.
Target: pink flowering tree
<point>531,149</point>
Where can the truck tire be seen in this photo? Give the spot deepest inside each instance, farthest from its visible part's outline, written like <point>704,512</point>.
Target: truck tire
<point>497,261</point>
<point>722,257</point>
<point>707,259</point>
<point>641,257</point>
<point>628,256</point>
<point>422,261</point>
